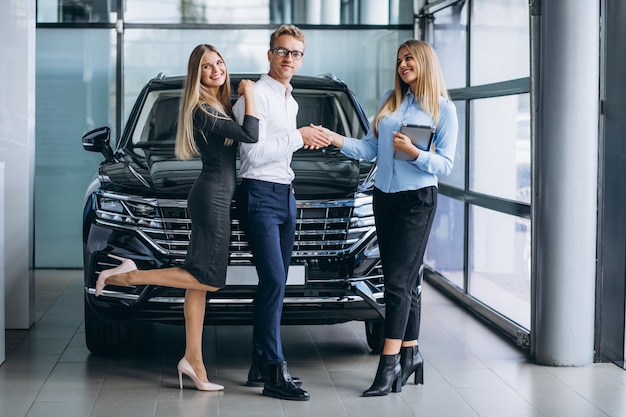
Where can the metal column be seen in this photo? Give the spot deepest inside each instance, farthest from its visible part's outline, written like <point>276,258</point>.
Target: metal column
<point>565,180</point>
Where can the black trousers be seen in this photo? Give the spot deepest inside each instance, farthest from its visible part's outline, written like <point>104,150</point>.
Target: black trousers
<point>403,224</point>
<point>267,214</point>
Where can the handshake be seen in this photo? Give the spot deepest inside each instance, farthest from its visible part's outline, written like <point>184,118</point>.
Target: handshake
<point>317,137</point>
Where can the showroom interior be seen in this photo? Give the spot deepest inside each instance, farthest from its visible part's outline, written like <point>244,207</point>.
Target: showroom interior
<point>525,280</point>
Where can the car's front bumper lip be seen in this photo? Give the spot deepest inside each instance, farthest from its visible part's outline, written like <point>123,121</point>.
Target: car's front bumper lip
<point>362,301</point>
<point>364,295</point>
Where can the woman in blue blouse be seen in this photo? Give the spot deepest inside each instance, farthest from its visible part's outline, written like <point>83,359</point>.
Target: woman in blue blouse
<point>405,199</point>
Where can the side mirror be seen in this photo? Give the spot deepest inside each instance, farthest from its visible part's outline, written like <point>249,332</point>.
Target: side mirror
<point>99,140</point>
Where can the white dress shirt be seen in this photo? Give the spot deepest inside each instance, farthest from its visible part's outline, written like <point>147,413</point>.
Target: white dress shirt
<point>270,158</point>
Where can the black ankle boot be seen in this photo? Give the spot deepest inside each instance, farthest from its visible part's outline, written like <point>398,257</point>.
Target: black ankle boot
<point>387,377</point>
<point>256,374</point>
<point>411,361</point>
<point>258,370</point>
<point>279,384</point>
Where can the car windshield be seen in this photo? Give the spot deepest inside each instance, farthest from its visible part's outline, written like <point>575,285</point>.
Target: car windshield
<point>157,123</point>
<point>158,120</point>
<point>331,109</point>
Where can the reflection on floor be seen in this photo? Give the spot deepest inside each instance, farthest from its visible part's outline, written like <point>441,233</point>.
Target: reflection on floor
<point>470,371</point>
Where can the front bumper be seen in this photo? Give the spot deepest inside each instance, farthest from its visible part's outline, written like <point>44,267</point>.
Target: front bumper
<point>360,301</point>
<point>337,289</point>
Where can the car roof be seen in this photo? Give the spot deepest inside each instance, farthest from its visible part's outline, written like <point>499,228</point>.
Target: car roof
<point>321,82</point>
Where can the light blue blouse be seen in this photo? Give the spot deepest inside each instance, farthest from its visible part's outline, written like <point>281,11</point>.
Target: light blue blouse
<point>396,175</point>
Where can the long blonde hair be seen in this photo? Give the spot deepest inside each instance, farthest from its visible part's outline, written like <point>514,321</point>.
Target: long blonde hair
<point>194,95</point>
<point>430,85</point>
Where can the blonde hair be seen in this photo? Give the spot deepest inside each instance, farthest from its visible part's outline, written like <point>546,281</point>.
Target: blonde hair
<point>430,85</point>
<point>289,30</point>
<point>194,95</point>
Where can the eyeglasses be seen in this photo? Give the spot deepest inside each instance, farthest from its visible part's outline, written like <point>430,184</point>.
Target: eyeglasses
<point>282,52</point>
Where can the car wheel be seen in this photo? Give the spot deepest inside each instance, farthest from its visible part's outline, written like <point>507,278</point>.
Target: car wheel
<point>108,338</point>
<point>374,332</point>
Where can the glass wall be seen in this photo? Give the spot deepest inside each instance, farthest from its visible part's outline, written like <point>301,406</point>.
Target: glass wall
<point>75,88</point>
<point>499,265</point>
<point>74,11</point>
<point>83,45</point>
<point>232,12</point>
<point>449,30</point>
<point>198,11</point>
<point>499,41</point>
<point>148,52</point>
<point>445,252</point>
<point>247,12</point>
<point>479,250</point>
<point>500,147</point>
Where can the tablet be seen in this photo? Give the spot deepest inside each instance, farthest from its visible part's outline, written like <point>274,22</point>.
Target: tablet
<point>421,136</point>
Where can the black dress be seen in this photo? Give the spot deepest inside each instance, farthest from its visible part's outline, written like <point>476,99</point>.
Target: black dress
<point>211,194</point>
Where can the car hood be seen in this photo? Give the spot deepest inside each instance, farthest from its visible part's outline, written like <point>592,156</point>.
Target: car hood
<point>322,173</point>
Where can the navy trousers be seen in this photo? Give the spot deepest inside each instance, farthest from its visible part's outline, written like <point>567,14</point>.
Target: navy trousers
<point>267,214</point>
<point>403,224</point>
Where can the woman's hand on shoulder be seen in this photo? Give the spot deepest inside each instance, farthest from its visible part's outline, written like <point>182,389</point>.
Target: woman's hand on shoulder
<point>245,87</point>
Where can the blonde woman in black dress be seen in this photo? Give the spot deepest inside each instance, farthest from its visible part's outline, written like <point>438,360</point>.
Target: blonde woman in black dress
<point>206,128</point>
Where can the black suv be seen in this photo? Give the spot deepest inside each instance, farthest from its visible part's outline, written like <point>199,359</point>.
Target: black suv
<point>136,207</point>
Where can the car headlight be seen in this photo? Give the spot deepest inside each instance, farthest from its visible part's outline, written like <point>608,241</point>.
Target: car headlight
<point>363,213</point>
<point>128,212</point>
<point>111,205</point>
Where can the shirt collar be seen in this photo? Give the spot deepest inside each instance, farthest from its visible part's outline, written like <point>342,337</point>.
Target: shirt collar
<point>277,86</point>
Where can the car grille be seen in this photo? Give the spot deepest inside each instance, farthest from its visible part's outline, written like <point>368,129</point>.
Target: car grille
<point>322,228</point>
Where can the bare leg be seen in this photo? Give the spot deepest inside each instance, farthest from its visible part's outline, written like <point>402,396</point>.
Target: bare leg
<point>392,346</point>
<point>195,304</point>
<point>166,277</point>
<point>127,274</point>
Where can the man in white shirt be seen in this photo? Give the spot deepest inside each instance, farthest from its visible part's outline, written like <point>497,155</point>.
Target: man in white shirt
<point>267,206</point>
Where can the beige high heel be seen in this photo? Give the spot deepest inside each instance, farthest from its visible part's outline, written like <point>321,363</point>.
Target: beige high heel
<point>185,368</point>
<point>127,265</point>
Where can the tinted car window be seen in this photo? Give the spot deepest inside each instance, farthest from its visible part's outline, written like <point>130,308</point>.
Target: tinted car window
<point>157,121</point>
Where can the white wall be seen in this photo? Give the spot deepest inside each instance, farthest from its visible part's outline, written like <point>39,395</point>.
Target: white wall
<point>17,151</point>
<point>2,341</point>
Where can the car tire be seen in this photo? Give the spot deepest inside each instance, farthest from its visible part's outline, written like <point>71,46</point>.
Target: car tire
<point>374,332</point>
<point>108,338</point>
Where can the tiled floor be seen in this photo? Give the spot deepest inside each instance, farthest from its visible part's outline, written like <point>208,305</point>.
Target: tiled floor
<point>470,371</point>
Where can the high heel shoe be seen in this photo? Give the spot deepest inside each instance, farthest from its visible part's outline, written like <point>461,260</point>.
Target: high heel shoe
<point>185,368</point>
<point>387,377</point>
<point>411,361</point>
<point>127,265</point>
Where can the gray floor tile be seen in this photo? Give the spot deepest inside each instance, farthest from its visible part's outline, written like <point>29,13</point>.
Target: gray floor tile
<point>570,406</point>
<point>60,409</point>
<point>469,371</point>
<point>509,412</point>
<point>436,400</point>
<point>605,397</point>
<point>126,402</point>
<point>16,402</point>
<point>493,398</point>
